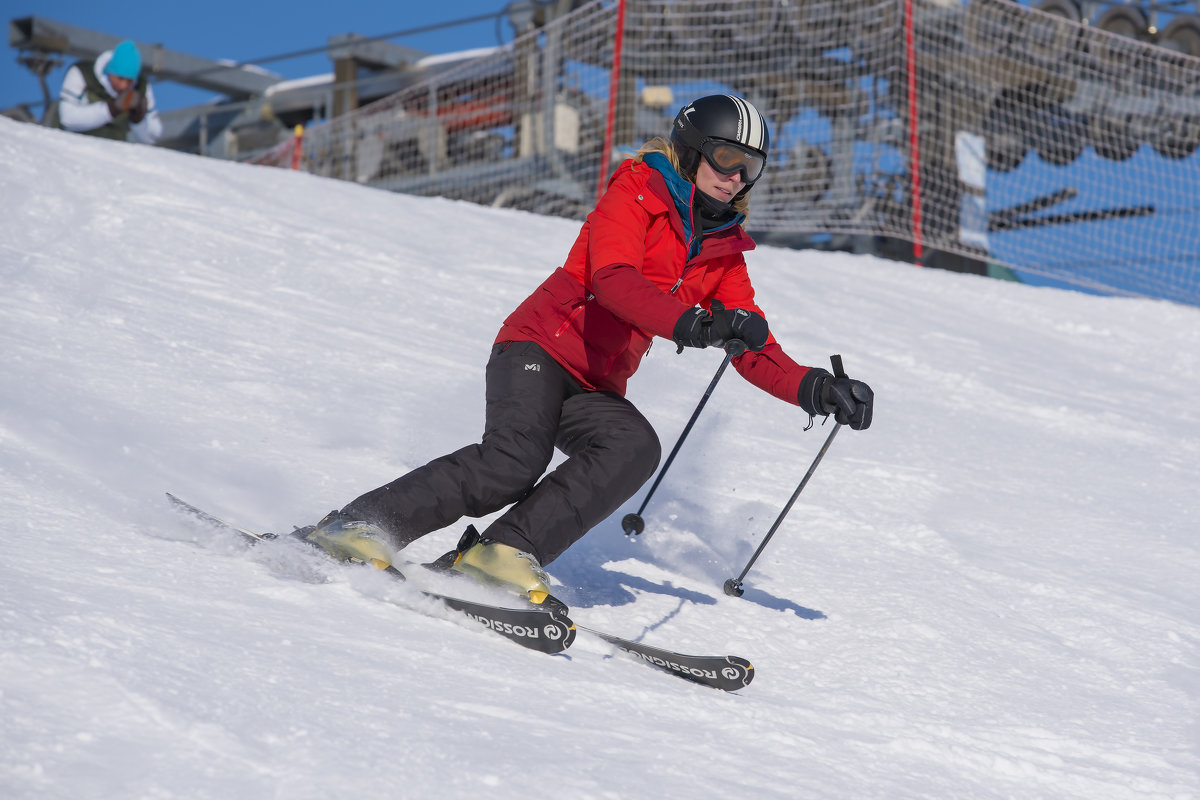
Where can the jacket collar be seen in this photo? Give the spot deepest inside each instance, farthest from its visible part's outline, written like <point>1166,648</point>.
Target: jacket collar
<point>679,192</point>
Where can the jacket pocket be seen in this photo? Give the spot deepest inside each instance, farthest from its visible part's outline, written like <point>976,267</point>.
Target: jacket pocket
<point>580,320</point>
<point>567,298</point>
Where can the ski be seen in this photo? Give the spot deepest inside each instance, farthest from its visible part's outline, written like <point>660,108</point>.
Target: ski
<point>204,516</point>
<point>534,628</point>
<point>727,673</point>
<point>548,631</point>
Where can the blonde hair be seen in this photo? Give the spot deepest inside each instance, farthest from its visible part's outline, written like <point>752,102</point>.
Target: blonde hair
<point>664,147</point>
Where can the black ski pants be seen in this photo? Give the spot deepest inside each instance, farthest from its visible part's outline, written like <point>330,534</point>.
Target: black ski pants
<point>533,406</point>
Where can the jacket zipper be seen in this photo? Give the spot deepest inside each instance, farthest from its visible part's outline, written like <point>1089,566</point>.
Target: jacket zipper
<point>574,313</point>
<point>608,367</point>
<point>567,322</point>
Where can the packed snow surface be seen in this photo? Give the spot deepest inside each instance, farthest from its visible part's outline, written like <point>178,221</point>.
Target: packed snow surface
<point>992,593</point>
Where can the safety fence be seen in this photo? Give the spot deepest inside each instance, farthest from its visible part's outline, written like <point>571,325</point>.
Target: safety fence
<point>987,129</point>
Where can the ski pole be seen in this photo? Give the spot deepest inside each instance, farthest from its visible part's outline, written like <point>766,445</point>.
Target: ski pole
<point>733,586</point>
<point>633,523</point>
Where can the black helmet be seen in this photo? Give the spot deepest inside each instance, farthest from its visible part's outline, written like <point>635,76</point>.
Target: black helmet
<point>709,125</point>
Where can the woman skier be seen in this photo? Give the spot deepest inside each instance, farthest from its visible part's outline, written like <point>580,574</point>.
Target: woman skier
<point>660,255</point>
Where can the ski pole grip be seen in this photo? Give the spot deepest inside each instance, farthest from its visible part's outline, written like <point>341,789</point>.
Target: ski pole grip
<point>735,347</point>
<point>838,370</point>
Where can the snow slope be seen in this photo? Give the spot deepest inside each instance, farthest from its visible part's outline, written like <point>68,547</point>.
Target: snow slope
<point>992,593</point>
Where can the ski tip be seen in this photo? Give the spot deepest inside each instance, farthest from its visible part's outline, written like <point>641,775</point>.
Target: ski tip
<point>569,632</point>
<point>736,674</point>
<point>747,671</point>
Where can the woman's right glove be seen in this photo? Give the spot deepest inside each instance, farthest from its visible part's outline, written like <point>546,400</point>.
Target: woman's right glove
<point>851,402</point>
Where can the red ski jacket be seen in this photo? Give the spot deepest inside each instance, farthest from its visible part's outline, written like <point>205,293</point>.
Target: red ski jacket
<point>628,278</point>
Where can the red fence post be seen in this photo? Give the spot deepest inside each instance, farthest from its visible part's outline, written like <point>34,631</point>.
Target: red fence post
<point>914,148</point>
<point>614,83</point>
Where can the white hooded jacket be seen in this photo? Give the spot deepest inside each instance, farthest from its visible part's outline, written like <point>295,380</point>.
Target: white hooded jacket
<point>77,114</point>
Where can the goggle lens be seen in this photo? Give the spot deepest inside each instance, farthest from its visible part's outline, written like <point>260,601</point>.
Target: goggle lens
<point>728,158</point>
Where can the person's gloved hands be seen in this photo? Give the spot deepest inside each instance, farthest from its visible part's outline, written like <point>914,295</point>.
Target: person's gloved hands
<point>850,401</point>
<point>130,100</point>
<point>137,109</point>
<point>699,328</point>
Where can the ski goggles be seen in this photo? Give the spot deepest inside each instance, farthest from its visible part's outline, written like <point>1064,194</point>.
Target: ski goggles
<point>728,157</point>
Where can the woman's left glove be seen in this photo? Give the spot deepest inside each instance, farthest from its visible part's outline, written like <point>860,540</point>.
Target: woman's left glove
<point>699,328</point>
<point>851,402</point>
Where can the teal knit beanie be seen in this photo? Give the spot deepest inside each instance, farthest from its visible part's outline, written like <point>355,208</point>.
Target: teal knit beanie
<point>126,61</point>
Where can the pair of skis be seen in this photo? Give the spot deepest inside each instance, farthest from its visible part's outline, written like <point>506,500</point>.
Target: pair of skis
<point>547,631</point>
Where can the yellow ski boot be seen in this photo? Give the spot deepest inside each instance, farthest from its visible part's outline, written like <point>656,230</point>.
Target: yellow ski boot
<point>348,539</point>
<point>503,565</point>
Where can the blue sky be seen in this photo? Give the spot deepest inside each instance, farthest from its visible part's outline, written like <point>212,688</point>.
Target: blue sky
<point>246,32</point>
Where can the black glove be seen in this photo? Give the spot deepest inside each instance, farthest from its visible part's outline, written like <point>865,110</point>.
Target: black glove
<point>698,328</point>
<point>850,401</point>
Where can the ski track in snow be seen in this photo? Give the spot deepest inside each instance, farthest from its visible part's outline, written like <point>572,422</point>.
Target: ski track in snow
<point>991,594</point>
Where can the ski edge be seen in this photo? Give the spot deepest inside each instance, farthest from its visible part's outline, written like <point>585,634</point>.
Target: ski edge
<point>204,516</point>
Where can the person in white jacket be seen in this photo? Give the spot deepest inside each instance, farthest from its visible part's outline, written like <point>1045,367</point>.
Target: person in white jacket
<point>110,97</point>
